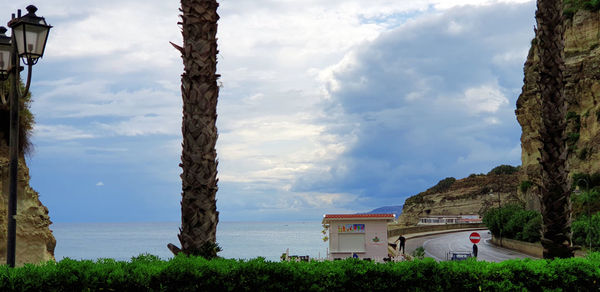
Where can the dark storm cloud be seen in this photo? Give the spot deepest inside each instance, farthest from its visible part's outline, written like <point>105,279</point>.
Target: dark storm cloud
<point>432,98</point>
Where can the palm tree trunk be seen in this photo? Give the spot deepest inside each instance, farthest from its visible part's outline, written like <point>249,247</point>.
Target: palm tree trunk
<point>199,216</point>
<point>555,192</point>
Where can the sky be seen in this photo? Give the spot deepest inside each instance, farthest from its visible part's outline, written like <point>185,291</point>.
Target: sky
<point>336,106</point>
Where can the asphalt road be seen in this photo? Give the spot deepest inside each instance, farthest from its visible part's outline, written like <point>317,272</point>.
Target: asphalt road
<point>437,246</point>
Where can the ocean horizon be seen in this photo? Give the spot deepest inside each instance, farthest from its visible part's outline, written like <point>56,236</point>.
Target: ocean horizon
<point>238,240</point>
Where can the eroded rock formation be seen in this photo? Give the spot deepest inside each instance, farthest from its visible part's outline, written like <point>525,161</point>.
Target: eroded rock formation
<point>466,196</point>
<point>582,91</point>
<point>35,241</point>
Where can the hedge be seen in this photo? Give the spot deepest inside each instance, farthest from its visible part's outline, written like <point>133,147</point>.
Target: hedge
<point>148,273</point>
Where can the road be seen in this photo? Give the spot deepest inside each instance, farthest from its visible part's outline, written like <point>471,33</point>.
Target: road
<point>436,246</point>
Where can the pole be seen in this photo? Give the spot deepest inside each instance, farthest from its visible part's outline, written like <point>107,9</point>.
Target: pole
<point>589,235</point>
<point>500,212</point>
<point>14,158</point>
<point>587,203</point>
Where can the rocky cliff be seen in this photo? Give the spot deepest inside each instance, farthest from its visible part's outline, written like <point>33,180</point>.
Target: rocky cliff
<point>582,91</point>
<point>472,195</point>
<point>35,241</point>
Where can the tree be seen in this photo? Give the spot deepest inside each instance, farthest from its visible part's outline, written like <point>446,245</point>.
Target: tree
<point>199,216</point>
<point>554,190</point>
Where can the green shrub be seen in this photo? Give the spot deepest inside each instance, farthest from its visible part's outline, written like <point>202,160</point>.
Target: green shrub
<point>574,119</point>
<point>531,229</point>
<point>592,5</point>
<point>443,185</point>
<point>595,180</point>
<point>513,221</point>
<point>572,115</point>
<point>419,253</point>
<point>583,154</point>
<point>572,138</point>
<point>585,181</point>
<point>525,185</point>
<point>504,169</point>
<point>582,229</point>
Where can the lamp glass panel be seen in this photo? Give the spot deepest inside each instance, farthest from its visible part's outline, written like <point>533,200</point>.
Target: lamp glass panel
<point>5,58</point>
<point>31,40</point>
<point>18,32</point>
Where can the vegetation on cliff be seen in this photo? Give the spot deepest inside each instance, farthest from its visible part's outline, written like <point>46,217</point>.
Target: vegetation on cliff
<point>26,119</point>
<point>571,6</point>
<point>504,169</point>
<point>441,186</point>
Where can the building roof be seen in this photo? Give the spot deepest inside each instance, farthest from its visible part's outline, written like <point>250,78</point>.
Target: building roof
<point>330,217</point>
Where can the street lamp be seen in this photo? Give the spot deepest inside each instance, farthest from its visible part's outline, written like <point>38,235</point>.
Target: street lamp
<point>5,53</point>
<point>499,213</point>
<point>28,41</point>
<point>587,203</point>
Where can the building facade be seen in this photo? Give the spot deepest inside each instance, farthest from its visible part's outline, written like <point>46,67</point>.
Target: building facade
<point>363,236</point>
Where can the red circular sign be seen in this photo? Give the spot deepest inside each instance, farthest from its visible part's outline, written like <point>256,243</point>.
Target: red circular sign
<point>474,237</point>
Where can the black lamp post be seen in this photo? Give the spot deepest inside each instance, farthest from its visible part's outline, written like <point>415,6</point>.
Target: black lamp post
<point>27,42</point>
<point>587,203</point>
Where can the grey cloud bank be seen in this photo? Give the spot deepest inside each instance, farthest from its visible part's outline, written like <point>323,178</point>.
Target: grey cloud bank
<point>430,99</point>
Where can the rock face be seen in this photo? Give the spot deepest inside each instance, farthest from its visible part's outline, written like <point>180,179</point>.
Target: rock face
<point>461,197</point>
<point>35,242</point>
<point>582,91</point>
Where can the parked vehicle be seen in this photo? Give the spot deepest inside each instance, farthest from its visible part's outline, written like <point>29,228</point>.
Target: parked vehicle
<point>458,255</point>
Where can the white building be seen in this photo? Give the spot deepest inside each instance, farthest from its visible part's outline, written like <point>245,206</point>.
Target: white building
<point>449,219</point>
<point>358,235</point>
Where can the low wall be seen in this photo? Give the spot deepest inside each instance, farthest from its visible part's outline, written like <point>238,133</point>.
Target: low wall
<point>394,230</point>
<point>533,249</point>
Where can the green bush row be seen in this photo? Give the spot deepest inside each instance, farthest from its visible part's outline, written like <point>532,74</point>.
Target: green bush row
<point>147,273</point>
<point>513,221</point>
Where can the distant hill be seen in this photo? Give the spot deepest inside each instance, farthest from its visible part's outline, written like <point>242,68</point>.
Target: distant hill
<point>387,210</point>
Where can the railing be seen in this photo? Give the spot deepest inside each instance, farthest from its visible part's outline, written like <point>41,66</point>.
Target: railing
<point>399,258</point>
<point>395,230</point>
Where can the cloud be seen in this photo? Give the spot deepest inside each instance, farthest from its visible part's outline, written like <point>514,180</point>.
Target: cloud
<point>59,132</point>
<point>325,106</point>
<point>99,184</point>
<point>122,40</point>
<point>426,100</point>
<point>484,98</point>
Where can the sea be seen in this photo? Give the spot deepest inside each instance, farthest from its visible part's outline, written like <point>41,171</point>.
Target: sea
<point>238,240</point>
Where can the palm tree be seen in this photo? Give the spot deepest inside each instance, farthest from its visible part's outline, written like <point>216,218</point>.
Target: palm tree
<point>555,192</point>
<point>199,216</point>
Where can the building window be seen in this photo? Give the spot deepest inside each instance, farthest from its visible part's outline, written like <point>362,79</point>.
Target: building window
<point>351,242</point>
